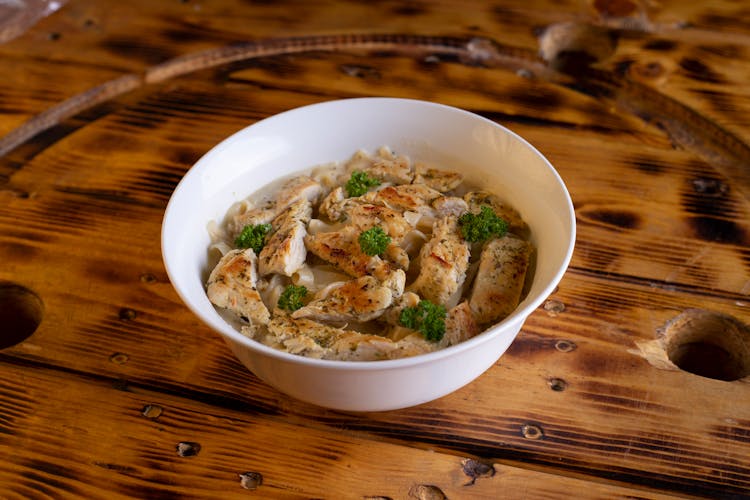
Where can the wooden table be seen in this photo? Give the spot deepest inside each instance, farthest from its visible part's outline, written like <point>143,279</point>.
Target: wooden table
<point>630,382</point>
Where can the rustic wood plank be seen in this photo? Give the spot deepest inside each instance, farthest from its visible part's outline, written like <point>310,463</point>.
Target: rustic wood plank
<point>661,230</point>
<point>123,442</point>
<point>64,208</point>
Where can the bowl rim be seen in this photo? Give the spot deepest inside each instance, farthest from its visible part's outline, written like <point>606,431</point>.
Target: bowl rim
<point>230,333</point>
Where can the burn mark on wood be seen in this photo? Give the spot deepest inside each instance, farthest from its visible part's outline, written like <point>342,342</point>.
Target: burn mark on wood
<point>360,71</point>
<point>614,219</point>
<point>536,97</point>
<point>721,102</point>
<point>508,16</point>
<point>49,478</point>
<point>698,70</point>
<point>157,182</point>
<point>660,45</point>
<point>726,50</point>
<point>409,9</point>
<point>647,165</point>
<point>708,196</point>
<point>717,230</point>
<point>615,8</point>
<point>529,344</point>
<point>137,48</point>
<point>119,468</point>
<point>18,252</point>
<point>618,396</point>
<point>723,22</point>
<point>733,430</point>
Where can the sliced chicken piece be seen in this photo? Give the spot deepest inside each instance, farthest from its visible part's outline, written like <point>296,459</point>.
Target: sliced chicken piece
<point>411,197</point>
<point>440,180</point>
<point>395,169</point>
<point>232,286</point>
<point>460,325</point>
<point>309,338</point>
<point>500,279</point>
<point>414,198</point>
<point>341,249</point>
<point>476,199</point>
<point>395,280</point>
<point>297,188</point>
<point>444,260</point>
<point>363,216</point>
<point>285,251</point>
<point>361,299</point>
<point>450,205</point>
<point>332,206</point>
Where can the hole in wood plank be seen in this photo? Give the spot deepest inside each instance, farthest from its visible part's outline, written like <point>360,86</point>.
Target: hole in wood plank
<point>709,344</point>
<point>21,312</point>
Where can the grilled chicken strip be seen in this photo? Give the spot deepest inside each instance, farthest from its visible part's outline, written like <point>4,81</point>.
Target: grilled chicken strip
<point>309,338</point>
<point>444,260</point>
<point>363,216</point>
<point>500,279</point>
<point>475,200</point>
<point>395,170</point>
<point>332,207</point>
<point>297,188</point>
<point>361,299</point>
<point>404,197</point>
<point>232,286</point>
<point>450,205</point>
<point>440,180</point>
<point>401,198</point>
<point>341,249</point>
<point>285,251</point>
<point>460,325</point>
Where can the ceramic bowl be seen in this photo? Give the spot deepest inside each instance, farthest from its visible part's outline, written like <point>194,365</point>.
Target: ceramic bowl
<point>488,154</point>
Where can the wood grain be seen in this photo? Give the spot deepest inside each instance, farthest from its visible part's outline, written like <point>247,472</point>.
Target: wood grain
<point>124,442</point>
<point>574,405</point>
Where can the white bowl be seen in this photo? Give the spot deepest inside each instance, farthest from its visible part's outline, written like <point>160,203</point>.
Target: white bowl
<point>487,154</point>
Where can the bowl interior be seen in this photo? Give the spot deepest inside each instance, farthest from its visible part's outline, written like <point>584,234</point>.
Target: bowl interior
<point>488,154</point>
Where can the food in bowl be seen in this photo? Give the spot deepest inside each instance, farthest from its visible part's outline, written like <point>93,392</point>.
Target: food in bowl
<point>279,147</point>
<point>379,257</point>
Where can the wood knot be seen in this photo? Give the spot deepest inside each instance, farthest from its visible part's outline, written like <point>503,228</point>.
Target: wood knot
<point>152,411</point>
<point>475,469</point>
<point>565,345</point>
<point>532,431</point>
<point>188,448</point>
<point>251,480</point>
